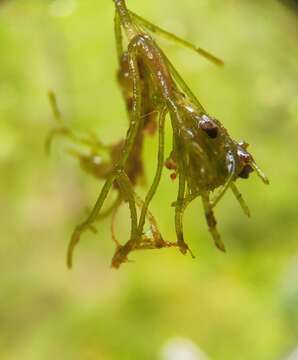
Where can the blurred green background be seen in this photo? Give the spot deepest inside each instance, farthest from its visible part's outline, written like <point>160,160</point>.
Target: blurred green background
<point>239,305</point>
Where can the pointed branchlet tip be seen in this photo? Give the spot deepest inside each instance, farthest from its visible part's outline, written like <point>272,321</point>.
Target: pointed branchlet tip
<point>184,248</point>
<point>246,211</point>
<point>216,60</point>
<point>73,242</point>
<point>260,173</point>
<point>75,238</point>
<point>220,245</point>
<point>48,144</point>
<point>54,105</point>
<point>265,179</point>
<point>61,130</point>
<point>69,260</point>
<point>119,257</point>
<point>69,257</point>
<point>191,253</point>
<point>115,265</point>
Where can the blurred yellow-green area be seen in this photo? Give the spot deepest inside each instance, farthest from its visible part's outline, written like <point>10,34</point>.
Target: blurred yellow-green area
<point>239,305</point>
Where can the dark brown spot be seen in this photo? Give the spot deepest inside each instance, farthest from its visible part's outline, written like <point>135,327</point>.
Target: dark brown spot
<point>170,164</point>
<point>209,126</point>
<point>244,174</point>
<point>173,176</point>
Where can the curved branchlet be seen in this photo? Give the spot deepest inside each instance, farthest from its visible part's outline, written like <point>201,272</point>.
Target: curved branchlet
<point>204,158</point>
<point>63,130</point>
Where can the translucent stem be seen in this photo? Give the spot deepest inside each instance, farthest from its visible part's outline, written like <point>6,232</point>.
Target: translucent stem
<point>118,35</point>
<point>156,180</point>
<point>260,173</point>
<point>128,194</point>
<point>172,37</point>
<point>225,187</point>
<point>211,221</point>
<point>126,20</point>
<point>185,88</point>
<point>240,199</point>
